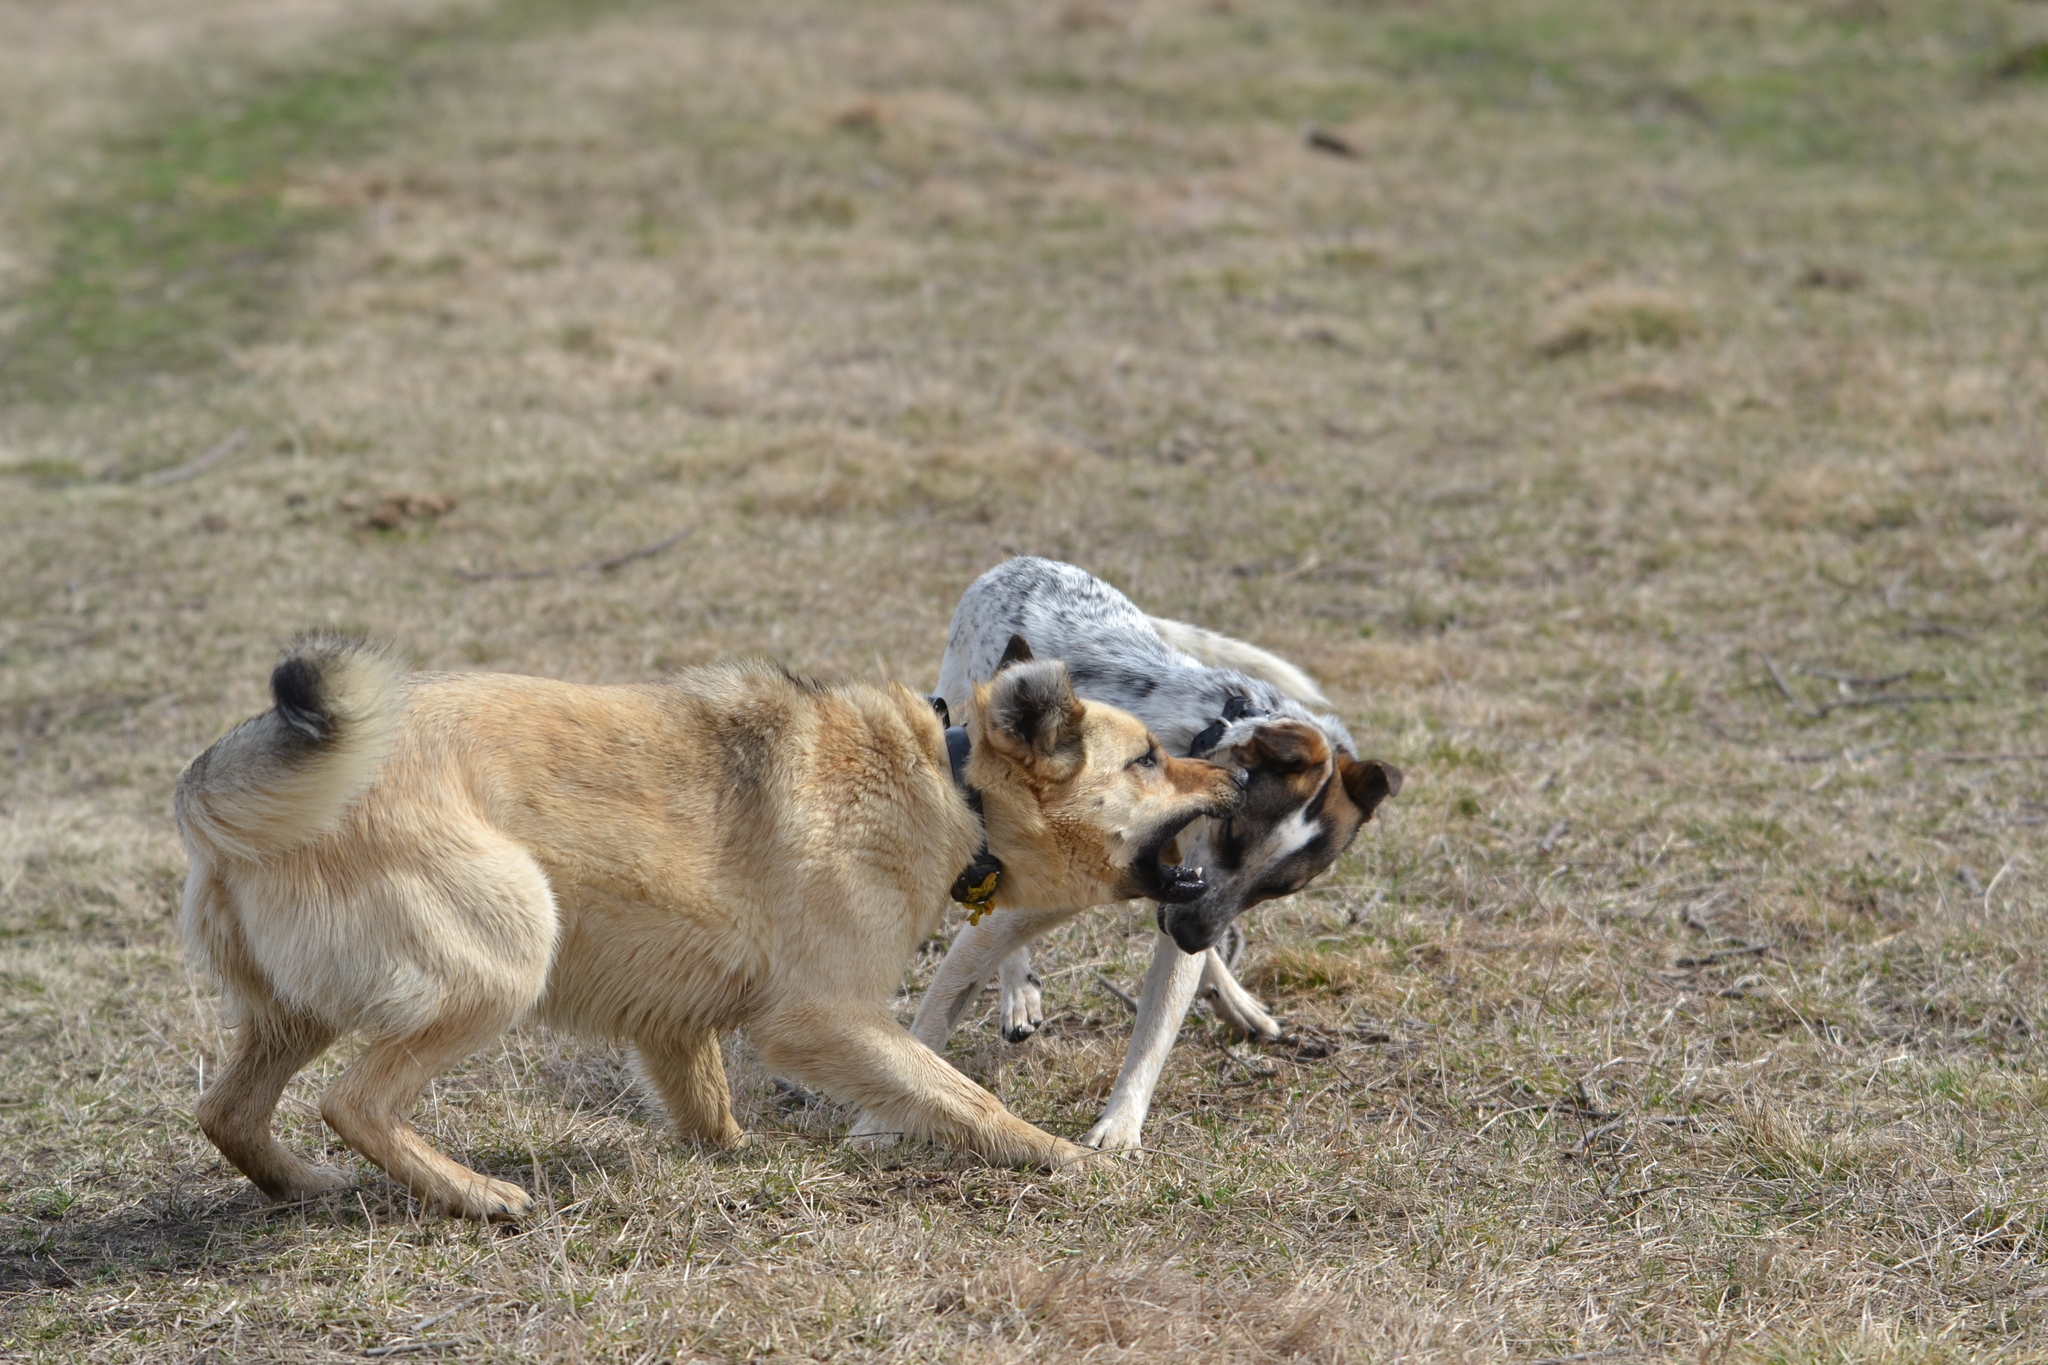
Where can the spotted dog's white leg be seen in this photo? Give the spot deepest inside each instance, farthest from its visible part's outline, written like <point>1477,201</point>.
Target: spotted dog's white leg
<point>977,953</point>
<point>1237,1007</point>
<point>1023,1005</point>
<point>1169,990</point>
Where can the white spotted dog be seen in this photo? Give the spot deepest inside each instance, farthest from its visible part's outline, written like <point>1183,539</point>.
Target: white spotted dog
<point>1306,793</point>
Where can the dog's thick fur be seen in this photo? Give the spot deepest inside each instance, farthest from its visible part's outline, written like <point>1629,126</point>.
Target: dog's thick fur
<point>424,860</point>
<point>1307,795</point>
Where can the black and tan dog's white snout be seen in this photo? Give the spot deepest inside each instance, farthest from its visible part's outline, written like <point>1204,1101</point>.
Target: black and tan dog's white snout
<point>1301,805</point>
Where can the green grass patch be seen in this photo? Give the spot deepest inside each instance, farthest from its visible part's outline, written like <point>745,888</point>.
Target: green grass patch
<point>183,244</point>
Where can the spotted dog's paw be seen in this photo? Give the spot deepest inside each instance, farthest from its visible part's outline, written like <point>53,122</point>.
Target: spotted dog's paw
<point>1243,1015</point>
<point>1114,1133</point>
<point>1236,1008</point>
<point>1023,1004</point>
<point>870,1134</point>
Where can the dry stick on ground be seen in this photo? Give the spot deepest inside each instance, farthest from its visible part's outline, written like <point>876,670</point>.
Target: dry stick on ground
<point>198,464</point>
<point>1855,681</point>
<point>1593,1135</point>
<point>1725,955</point>
<point>1798,704</point>
<point>595,566</point>
<point>2031,756</point>
<point>1820,711</point>
<point>1323,140</point>
<point>1899,699</point>
<point>1116,991</point>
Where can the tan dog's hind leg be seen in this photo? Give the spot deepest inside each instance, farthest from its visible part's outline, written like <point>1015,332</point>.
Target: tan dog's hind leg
<point>368,1104</point>
<point>235,1112</point>
<point>689,1075</point>
<point>855,1052</point>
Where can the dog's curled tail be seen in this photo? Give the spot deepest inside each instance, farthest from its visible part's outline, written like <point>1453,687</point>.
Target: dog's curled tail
<point>284,778</point>
<point>1220,651</point>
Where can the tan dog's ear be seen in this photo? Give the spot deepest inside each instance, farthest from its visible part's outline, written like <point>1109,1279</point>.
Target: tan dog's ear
<point>1287,746</point>
<point>1031,710</point>
<point>1370,782</point>
<point>1018,651</point>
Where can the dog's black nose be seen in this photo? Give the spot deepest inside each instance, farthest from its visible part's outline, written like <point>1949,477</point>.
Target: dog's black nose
<point>1192,933</point>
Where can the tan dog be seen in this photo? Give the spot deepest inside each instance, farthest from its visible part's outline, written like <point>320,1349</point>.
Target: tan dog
<point>426,859</point>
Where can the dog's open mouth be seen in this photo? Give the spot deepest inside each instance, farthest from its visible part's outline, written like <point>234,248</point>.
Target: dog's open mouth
<point>1161,873</point>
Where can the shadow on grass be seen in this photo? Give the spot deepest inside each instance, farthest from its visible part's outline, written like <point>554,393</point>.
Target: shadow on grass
<point>178,1233</point>
<point>225,1224</point>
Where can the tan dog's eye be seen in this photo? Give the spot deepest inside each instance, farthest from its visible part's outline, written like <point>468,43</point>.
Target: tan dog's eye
<point>1148,759</point>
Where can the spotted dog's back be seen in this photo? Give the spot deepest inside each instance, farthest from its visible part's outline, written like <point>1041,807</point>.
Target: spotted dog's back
<point>1118,654</point>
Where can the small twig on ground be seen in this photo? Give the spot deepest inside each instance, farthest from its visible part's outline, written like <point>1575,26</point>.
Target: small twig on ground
<point>644,552</point>
<point>199,464</point>
<point>1690,916</point>
<point>2019,756</point>
<point>1969,881</point>
<point>406,1348</point>
<point>1116,991</point>
<point>1581,1355</point>
<point>1323,140</point>
<point>1549,840</point>
<point>1725,955</point>
<point>1786,688</point>
<point>1896,699</point>
<point>438,1318</point>
<point>1593,1135</point>
<point>1996,878</point>
<point>594,566</point>
<point>1853,680</point>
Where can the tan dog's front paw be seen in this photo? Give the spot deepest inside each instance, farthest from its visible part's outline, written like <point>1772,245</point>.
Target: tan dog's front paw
<point>491,1201</point>
<point>1066,1154</point>
<point>310,1182</point>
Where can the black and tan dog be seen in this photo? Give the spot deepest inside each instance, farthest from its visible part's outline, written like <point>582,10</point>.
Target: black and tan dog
<point>1308,792</point>
<point>426,859</point>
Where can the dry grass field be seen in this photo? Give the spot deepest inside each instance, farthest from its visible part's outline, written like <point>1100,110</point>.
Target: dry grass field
<point>1635,413</point>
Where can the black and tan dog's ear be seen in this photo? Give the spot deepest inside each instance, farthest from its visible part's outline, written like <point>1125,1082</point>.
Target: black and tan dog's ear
<point>1018,651</point>
<point>1290,746</point>
<point>1369,782</point>
<point>1031,709</point>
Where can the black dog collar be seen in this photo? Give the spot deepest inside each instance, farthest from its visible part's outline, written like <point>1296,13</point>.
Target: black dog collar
<point>978,882</point>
